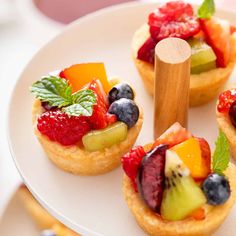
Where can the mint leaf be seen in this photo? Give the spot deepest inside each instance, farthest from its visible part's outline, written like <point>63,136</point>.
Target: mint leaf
<point>57,92</point>
<point>206,10</point>
<point>53,90</point>
<point>83,103</point>
<point>221,155</point>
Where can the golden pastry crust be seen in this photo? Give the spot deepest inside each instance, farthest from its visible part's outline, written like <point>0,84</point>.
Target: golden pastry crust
<point>41,217</point>
<point>154,225</point>
<point>203,87</point>
<point>76,160</point>
<point>228,129</point>
<point>61,230</point>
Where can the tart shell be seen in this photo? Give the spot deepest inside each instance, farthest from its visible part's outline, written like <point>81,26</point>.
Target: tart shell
<point>154,225</point>
<point>76,159</point>
<point>203,87</point>
<point>41,217</point>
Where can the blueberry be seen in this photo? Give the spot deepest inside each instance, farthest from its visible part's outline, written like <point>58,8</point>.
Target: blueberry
<point>232,113</point>
<point>126,111</point>
<point>48,233</point>
<point>119,91</point>
<point>217,189</point>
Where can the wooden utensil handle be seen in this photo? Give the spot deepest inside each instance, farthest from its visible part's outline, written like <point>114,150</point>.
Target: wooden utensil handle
<point>172,79</point>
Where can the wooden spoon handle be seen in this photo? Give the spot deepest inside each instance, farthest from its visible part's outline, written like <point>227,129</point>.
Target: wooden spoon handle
<point>172,79</point>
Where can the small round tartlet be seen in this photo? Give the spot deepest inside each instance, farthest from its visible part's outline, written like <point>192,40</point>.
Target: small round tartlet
<point>203,87</point>
<point>75,159</point>
<point>145,191</point>
<point>42,219</point>
<point>154,225</point>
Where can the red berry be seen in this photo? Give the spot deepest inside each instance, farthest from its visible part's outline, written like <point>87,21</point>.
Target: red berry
<point>131,162</point>
<point>111,118</point>
<point>217,35</point>
<point>59,127</point>
<point>173,19</point>
<point>225,100</point>
<point>146,52</point>
<point>62,74</point>
<point>98,120</point>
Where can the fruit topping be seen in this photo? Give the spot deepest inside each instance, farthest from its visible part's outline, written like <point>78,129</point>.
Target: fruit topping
<point>98,120</point>
<point>131,162</point>
<point>59,127</point>
<point>225,100</point>
<point>232,113</point>
<point>190,153</point>
<point>151,177</point>
<point>206,156</point>
<point>48,232</point>
<point>217,189</point>
<point>182,196</point>
<point>217,35</point>
<point>96,140</point>
<point>121,90</point>
<point>79,75</point>
<point>173,19</point>
<point>110,118</point>
<point>199,214</point>
<point>126,111</point>
<point>173,136</point>
<point>203,57</point>
<point>146,51</point>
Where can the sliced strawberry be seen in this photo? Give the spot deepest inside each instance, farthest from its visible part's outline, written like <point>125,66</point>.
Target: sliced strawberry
<point>217,34</point>
<point>146,52</point>
<point>174,135</point>
<point>98,120</point>
<point>206,156</point>
<point>173,19</point>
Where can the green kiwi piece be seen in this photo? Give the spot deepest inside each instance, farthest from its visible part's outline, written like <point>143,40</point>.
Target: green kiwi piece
<point>100,139</point>
<point>203,57</point>
<point>182,195</point>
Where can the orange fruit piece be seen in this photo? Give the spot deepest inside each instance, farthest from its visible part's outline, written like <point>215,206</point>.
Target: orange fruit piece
<point>190,153</point>
<point>199,214</point>
<point>79,75</point>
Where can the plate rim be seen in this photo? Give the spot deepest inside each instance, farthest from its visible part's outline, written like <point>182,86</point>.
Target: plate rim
<point>68,222</point>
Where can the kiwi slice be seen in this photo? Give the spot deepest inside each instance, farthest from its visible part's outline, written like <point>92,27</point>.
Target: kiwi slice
<point>203,57</point>
<point>96,140</point>
<point>182,195</point>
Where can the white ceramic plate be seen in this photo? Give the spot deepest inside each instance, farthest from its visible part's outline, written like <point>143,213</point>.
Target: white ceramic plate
<point>16,221</point>
<point>90,205</point>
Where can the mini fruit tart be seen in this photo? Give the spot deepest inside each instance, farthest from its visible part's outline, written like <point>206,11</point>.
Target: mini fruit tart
<point>42,219</point>
<point>226,117</point>
<point>173,187</point>
<point>212,41</point>
<point>83,123</point>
